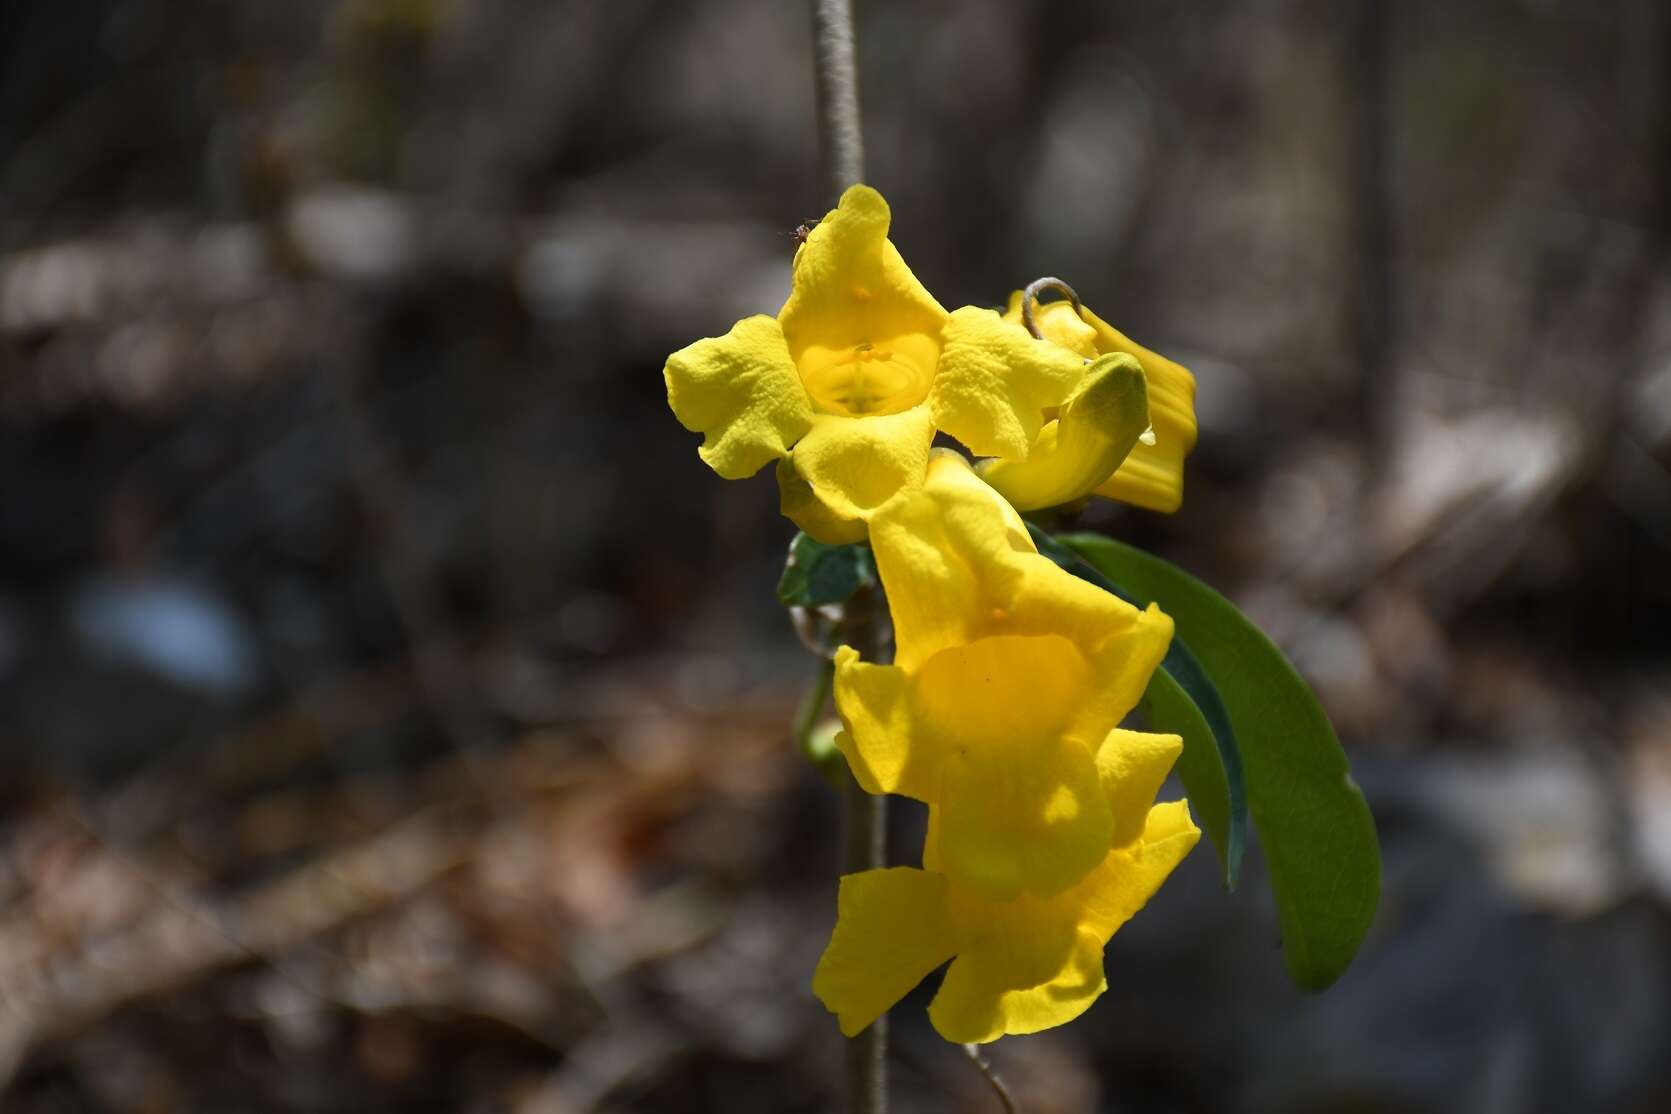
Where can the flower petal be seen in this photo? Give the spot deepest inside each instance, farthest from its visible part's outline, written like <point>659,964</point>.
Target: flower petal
<point>742,393</point>
<point>1123,664</point>
<point>852,290</point>
<point>1032,817</point>
<point>799,502</point>
<point>1123,644</point>
<point>1031,963</point>
<point>1098,426</point>
<point>995,381</point>
<point>1115,891</point>
<point>996,691</point>
<point>958,565</point>
<point>987,994</point>
<point>943,558</point>
<point>886,748</point>
<point>1152,475</point>
<point>891,930</point>
<point>1133,764</point>
<point>855,465</point>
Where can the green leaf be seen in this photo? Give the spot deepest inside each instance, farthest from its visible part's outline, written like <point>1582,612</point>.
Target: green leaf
<point>1169,708</point>
<point>817,574</point>
<point>1182,700</point>
<point>1312,820</point>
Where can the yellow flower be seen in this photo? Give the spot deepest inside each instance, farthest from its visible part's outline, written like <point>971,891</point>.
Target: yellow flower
<point>1017,966</point>
<point>847,385</point>
<point>1010,678</point>
<point>1152,475</point>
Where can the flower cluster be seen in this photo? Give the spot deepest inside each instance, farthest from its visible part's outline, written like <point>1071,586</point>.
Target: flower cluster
<point>1002,705</point>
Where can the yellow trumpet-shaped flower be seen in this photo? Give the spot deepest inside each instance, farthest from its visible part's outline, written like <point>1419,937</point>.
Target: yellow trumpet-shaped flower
<point>1151,475</point>
<point>1001,706</point>
<point>1017,966</point>
<point>846,387</point>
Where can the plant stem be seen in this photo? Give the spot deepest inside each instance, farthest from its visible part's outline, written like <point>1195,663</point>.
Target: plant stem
<point>840,139</point>
<point>978,1058</point>
<point>806,716</point>
<point>841,147</point>
<point>867,1053</point>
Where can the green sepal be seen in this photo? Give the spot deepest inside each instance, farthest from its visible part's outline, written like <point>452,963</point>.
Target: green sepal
<point>816,574</point>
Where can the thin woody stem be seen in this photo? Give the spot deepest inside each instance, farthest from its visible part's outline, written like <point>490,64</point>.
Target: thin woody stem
<point>864,847</point>
<point>866,1066</point>
<point>978,1058</point>
<point>840,138</point>
<point>841,145</point>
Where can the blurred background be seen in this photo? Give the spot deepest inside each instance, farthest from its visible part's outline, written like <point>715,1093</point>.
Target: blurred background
<point>394,711</point>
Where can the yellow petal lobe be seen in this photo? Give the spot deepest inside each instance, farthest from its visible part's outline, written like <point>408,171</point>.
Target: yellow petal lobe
<point>1133,764</point>
<point>1031,819</point>
<point>1152,477</point>
<point>983,997</point>
<point>800,503</point>
<point>891,930</point>
<point>995,381</point>
<point>1031,963</point>
<point>741,392</point>
<point>862,331</point>
<point>886,747</point>
<point>856,465</point>
<point>1113,893</point>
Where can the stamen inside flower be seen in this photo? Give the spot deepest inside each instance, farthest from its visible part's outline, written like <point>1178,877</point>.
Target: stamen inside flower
<point>872,377</point>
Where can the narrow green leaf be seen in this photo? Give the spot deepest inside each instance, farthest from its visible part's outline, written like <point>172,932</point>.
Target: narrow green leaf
<point>817,574</point>
<point>1223,776</point>
<point>1169,708</point>
<point>1181,700</point>
<point>1318,835</point>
